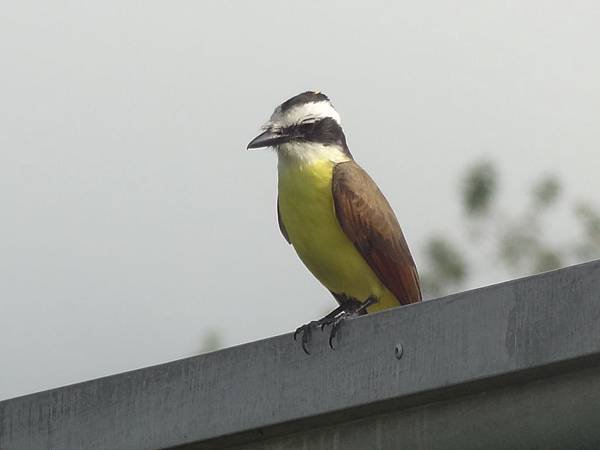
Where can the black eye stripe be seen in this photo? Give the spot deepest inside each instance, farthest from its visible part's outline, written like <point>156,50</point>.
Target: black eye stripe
<point>324,131</point>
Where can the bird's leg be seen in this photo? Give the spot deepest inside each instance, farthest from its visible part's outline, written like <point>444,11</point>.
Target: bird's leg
<point>337,321</point>
<point>306,329</point>
<point>364,305</point>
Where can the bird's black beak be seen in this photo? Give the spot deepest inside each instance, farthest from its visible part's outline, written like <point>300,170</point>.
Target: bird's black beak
<point>268,139</point>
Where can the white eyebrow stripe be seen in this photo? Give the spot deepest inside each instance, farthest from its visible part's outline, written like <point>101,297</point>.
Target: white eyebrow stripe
<point>316,110</point>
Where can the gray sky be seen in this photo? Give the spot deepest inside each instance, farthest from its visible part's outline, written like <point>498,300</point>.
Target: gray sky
<point>133,220</point>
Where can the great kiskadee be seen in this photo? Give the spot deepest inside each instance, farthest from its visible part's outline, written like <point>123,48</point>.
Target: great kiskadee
<point>334,215</point>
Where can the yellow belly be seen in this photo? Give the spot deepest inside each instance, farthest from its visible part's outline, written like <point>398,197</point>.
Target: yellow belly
<point>308,214</point>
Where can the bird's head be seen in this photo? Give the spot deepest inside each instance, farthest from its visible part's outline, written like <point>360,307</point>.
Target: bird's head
<point>308,117</point>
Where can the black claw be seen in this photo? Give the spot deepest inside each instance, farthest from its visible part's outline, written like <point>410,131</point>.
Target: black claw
<point>334,328</point>
<point>306,338</point>
<point>331,337</point>
<point>306,332</point>
<point>305,348</point>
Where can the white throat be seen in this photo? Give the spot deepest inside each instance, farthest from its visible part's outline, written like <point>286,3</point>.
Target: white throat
<point>294,154</point>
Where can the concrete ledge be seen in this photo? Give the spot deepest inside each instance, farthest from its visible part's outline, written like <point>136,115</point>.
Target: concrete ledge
<point>558,412</point>
<point>465,349</point>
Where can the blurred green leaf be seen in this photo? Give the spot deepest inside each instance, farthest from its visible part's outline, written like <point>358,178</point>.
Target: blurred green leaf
<point>589,218</point>
<point>547,259</point>
<point>211,341</point>
<point>479,187</point>
<point>446,261</point>
<point>518,236</point>
<point>517,243</point>
<point>546,191</point>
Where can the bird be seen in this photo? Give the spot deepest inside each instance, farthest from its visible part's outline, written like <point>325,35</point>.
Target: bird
<point>334,215</point>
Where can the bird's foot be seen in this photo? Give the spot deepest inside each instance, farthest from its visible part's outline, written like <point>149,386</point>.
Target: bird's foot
<point>359,310</point>
<point>335,319</point>
<point>305,331</point>
<point>337,322</point>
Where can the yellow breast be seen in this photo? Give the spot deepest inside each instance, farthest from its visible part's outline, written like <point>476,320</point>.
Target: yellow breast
<point>308,214</point>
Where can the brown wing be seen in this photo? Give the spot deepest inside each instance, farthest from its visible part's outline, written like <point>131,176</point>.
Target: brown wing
<point>368,220</point>
<point>281,225</point>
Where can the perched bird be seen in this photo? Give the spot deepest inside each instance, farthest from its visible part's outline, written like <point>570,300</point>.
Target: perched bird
<point>334,215</point>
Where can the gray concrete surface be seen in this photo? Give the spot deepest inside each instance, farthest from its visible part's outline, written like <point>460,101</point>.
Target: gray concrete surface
<point>463,354</point>
<point>560,412</point>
